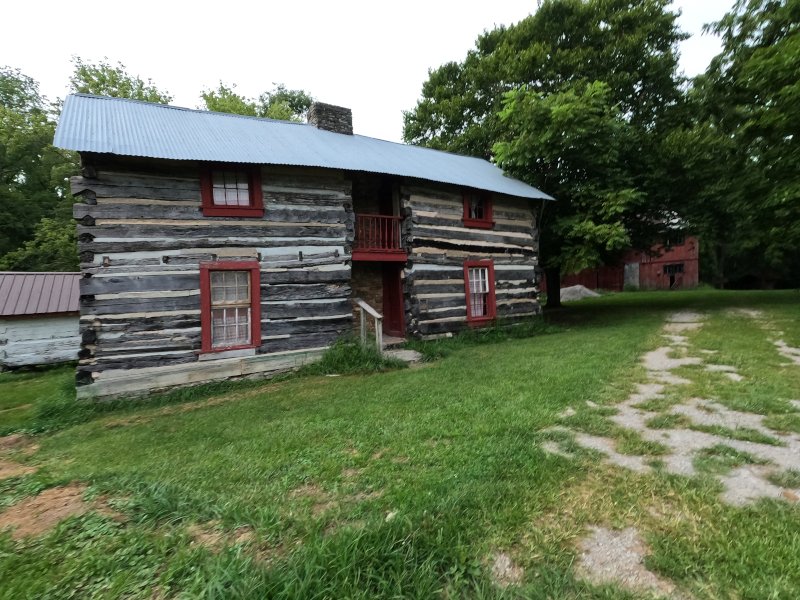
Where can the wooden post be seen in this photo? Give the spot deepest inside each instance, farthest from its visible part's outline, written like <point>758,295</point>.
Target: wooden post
<point>378,318</point>
<point>363,326</point>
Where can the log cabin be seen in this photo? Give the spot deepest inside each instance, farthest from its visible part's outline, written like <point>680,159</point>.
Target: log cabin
<point>217,246</point>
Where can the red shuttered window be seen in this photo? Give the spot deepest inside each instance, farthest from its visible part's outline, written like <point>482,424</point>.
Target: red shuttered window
<point>230,305</point>
<point>479,284</point>
<point>478,209</point>
<point>231,191</point>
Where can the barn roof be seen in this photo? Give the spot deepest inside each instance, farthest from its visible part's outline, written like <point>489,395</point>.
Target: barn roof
<point>133,128</point>
<point>38,293</point>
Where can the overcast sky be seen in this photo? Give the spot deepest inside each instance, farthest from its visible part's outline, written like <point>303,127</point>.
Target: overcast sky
<point>369,56</point>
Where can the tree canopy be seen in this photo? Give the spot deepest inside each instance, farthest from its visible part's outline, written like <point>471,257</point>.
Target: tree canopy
<point>574,99</point>
<point>105,79</point>
<point>584,100</point>
<point>32,170</point>
<point>279,103</point>
<point>36,227</point>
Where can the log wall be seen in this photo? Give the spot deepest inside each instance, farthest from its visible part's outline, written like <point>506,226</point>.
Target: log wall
<point>142,237</point>
<point>38,340</point>
<point>439,244</point>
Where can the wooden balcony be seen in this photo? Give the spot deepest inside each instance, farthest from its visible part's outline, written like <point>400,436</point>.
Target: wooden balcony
<point>378,238</point>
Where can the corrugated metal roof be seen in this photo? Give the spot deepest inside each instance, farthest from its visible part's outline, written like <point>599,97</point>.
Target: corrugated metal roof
<point>133,128</point>
<point>38,293</point>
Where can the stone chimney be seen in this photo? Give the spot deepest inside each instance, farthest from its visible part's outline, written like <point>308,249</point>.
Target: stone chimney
<point>331,118</point>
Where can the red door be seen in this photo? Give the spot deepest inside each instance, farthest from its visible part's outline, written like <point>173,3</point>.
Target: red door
<point>393,321</point>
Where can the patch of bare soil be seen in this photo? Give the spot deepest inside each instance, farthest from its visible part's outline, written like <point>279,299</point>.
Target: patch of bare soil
<point>322,501</point>
<point>35,516</point>
<point>210,535</point>
<point>609,556</point>
<point>10,468</point>
<point>17,442</point>
<point>504,571</point>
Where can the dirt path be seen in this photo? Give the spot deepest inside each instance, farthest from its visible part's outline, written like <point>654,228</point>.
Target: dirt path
<point>743,484</point>
<point>617,556</point>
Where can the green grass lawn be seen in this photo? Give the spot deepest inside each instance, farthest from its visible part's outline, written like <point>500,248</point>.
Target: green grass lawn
<point>20,392</point>
<point>405,483</point>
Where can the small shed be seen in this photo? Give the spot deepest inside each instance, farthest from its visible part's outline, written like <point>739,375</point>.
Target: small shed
<point>39,315</point>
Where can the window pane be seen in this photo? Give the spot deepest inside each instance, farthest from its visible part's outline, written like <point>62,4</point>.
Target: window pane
<point>230,287</point>
<point>478,291</point>
<point>230,188</point>
<point>475,207</point>
<point>217,278</point>
<point>230,327</point>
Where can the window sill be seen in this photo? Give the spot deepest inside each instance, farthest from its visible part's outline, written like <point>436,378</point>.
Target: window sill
<point>478,224</point>
<point>227,353</point>
<point>232,211</point>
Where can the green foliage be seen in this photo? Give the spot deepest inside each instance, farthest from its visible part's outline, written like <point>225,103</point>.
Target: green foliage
<point>225,99</point>
<point>53,248</point>
<point>33,173</point>
<point>738,150</point>
<point>572,144</point>
<point>348,356</point>
<point>575,100</point>
<point>279,103</point>
<point>105,79</point>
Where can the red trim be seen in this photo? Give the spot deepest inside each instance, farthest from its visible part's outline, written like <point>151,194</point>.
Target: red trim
<point>492,303</point>
<point>393,312</point>
<point>205,302</point>
<point>486,222</point>
<point>256,208</point>
<point>366,255</point>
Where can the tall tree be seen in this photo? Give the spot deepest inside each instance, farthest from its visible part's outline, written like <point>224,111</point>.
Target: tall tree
<point>279,103</point>
<point>32,172</point>
<point>737,155</point>
<point>598,74</point>
<point>571,142</point>
<point>105,79</point>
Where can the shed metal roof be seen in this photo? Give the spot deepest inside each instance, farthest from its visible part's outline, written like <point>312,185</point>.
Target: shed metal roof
<point>38,293</point>
<point>133,128</point>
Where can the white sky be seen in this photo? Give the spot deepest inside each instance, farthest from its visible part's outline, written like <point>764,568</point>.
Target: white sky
<point>367,55</point>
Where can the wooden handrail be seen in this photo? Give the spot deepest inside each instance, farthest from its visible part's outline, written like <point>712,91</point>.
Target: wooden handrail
<point>364,310</point>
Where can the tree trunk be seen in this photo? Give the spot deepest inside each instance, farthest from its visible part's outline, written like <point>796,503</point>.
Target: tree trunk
<point>719,268</point>
<point>553,277</point>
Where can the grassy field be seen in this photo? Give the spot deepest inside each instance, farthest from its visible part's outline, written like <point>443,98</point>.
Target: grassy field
<point>410,482</point>
<point>20,392</point>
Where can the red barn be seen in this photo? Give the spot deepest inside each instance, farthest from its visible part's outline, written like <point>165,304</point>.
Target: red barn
<point>674,264</point>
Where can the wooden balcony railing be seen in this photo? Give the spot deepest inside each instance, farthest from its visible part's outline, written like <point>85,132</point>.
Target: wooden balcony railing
<point>378,237</point>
